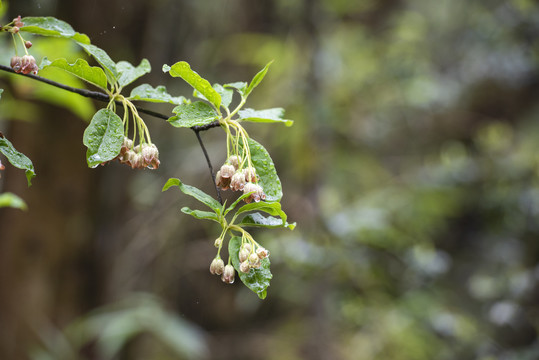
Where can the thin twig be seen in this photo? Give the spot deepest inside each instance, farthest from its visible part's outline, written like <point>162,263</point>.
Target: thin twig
<point>197,133</point>
<point>100,96</point>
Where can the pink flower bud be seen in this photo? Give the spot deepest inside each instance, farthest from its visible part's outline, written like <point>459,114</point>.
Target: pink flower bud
<point>17,21</point>
<point>243,254</point>
<point>253,259</point>
<point>238,181</point>
<point>250,174</point>
<point>28,44</point>
<point>262,253</point>
<point>228,274</point>
<point>244,267</point>
<point>257,192</point>
<point>217,266</point>
<point>247,246</point>
<point>234,161</point>
<point>16,63</point>
<point>227,171</point>
<point>223,183</point>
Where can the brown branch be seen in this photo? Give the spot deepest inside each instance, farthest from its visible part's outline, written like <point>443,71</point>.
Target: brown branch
<point>101,96</point>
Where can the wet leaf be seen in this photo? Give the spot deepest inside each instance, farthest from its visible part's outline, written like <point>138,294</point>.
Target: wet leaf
<point>146,92</point>
<point>197,113</point>
<point>269,180</point>
<point>274,115</point>
<point>259,220</point>
<point>194,192</point>
<point>127,73</point>
<point>258,280</point>
<point>103,137</point>
<point>50,26</point>
<point>183,70</point>
<point>91,74</point>
<point>17,159</point>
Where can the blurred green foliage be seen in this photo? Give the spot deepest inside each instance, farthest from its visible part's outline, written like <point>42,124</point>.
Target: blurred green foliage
<point>412,170</point>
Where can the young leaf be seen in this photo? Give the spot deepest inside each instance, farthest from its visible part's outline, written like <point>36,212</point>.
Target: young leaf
<point>197,113</point>
<point>266,170</point>
<point>183,70</point>
<point>257,79</point>
<point>127,73</point>
<point>259,220</point>
<point>226,95</point>
<point>274,115</point>
<point>194,192</point>
<point>92,74</point>
<point>103,137</point>
<point>17,159</point>
<point>257,280</point>
<point>159,94</point>
<point>240,86</point>
<point>12,200</point>
<point>50,26</point>
<point>103,59</point>
<point>272,208</point>
<point>200,214</point>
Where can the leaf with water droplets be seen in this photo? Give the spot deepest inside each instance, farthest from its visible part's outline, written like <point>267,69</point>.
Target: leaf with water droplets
<point>197,113</point>
<point>269,180</point>
<point>257,280</point>
<point>183,70</point>
<point>146,92</point>
<point>274,115</point>
<point>103,137</point>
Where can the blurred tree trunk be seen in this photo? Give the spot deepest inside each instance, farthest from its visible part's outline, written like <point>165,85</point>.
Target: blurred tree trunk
<point>47,265</point>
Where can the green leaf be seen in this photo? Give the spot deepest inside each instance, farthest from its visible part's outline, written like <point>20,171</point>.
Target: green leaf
<point>17,159</point>
<point>259,220</point>
<point>183,70</point>
<point>269,180</point>
<point>226,95</point>
<point>103,137</point>
<point>127,73</point>
<point>104,60</point>
<point>146,92</point>
<point>201,214</point>
<point>274,115</point>
<point>240,86</point>
<point>50,26</point>
<point>12,200</point>
<point>257,280</point>
<point>272,208</point>
<point>197,113</point>
<point>92,74</point>
<point>257,79</point>
<point>194,192</point>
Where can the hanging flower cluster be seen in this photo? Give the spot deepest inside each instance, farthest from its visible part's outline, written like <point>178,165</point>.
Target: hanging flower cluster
<point>25,64</point>
<point>139,157</point>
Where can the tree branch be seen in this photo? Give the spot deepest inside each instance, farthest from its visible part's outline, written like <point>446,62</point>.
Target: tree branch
<point>100,96</point>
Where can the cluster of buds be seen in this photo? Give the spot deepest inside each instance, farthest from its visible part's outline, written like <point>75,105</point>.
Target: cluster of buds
<point>251,259</point>
<point>17,23</point>
<point>139,157</point>
<point>25,64</point>
<point>217,267</point>
<point>230,176</point>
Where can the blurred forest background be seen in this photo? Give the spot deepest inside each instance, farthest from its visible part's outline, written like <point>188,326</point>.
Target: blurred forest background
<point>412,171</point>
